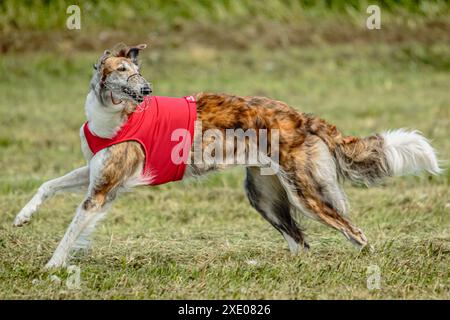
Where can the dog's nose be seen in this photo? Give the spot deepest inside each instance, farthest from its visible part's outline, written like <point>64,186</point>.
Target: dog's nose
<point>146,90</point>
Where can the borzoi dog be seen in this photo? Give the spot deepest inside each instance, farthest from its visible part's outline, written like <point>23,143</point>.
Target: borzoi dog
<point>313,156</point>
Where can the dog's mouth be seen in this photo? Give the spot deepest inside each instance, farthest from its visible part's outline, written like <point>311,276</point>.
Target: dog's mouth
<point>137,96</point>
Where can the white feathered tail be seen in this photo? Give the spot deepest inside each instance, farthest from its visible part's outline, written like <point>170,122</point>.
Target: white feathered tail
<point>409,152</point>
<point>392,153</point>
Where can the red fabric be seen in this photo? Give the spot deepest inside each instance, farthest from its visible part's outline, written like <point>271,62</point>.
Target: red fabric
<point>152,125</point>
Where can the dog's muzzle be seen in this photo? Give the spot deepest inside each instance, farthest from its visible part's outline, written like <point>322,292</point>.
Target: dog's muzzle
<point>138,96</point>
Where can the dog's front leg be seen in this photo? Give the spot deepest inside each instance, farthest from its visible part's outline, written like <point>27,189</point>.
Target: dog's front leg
<point>94,207</point>
<point>111,170</point>
<point>74,179</point>
<point>88,213</point>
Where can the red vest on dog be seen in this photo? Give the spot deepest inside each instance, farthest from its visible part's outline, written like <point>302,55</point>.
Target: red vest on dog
<point>165,129</point>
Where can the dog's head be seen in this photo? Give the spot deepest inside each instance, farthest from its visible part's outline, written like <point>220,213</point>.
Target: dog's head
<point>118,75</point>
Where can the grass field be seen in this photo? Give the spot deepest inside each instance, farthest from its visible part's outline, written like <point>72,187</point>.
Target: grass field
<point>201,239</point>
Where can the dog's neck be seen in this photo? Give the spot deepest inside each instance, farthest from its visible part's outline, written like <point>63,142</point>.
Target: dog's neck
<point>105,118</point>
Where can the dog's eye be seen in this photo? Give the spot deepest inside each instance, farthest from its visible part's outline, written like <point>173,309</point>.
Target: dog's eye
<point>121,68</point>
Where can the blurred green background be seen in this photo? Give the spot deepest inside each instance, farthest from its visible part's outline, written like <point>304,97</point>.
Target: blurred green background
<point>39,24</point>
<point>202,239</point>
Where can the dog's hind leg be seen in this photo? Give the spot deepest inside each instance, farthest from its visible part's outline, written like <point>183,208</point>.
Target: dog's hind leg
<point>312,186</point>
<point>110,170</point>
<point>75,179</point>
<point>268,197</point>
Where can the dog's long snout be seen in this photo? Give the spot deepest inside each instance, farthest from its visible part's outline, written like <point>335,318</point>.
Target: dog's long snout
<point>146,90</point>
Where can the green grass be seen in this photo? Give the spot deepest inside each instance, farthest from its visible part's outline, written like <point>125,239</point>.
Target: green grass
<point>202,239</point>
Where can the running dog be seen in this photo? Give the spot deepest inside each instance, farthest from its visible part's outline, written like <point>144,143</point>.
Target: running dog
<point>314,157</point>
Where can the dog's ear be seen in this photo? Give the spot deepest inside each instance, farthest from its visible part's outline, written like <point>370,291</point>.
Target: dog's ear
<point>106,54</point>
<point>133,52</point>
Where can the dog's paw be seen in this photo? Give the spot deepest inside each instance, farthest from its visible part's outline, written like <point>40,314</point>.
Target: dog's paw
<point>21,220</point>
<point>367,249</point>
<point>54,264</point>
<point>362,239</point>
<point>357,238</point>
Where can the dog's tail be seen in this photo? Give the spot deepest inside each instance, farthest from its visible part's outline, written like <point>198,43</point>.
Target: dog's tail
<point>393,153</point>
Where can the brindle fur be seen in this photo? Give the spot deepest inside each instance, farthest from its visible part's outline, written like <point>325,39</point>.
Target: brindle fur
<point>299,148</point>
<point>122,162</point>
